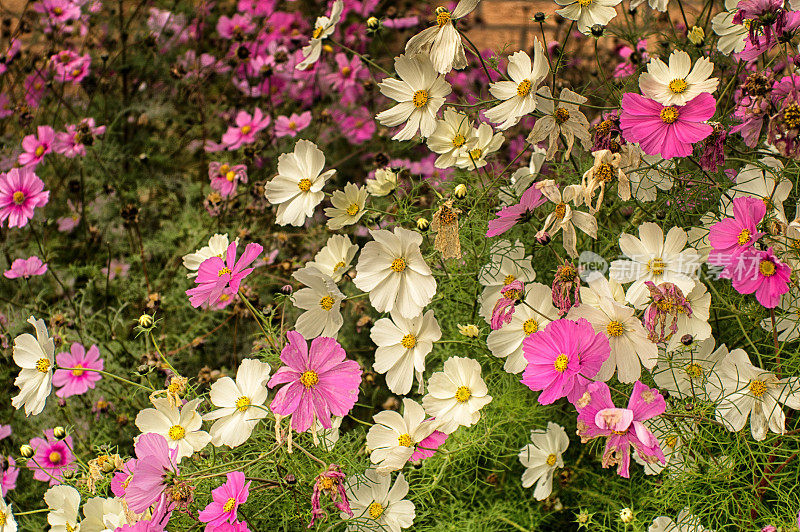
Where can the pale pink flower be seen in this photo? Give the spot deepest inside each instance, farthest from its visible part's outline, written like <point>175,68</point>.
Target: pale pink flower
<point>26,268</point>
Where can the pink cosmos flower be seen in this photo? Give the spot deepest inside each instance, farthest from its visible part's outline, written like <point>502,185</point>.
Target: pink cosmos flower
<point>320,382</point>
<point>257,8</point>
<point>121,479</point>
<point>9,479</point>
<point>52,458</point>
<point>427,447</point>
<point>69,66</point>
<point>67,224</point>
<point>357,126</point>
<point>289,126</point>
<point>216,275</point>
<point>226,501</point>
<point>503,310</point>
<point>58,11</point>
<point>566,288</point>
<point>21,191</point>
<point>508,217</point>
<point>562,358</point>
<point>235,26</point>
<point>732,236</point>
<point>147,482</point>
<point>761,272</point>
<point>35,88</point>
<point>668,303</point>
<point>6,106</point>
<point>26,268</point>
<point>348,77</point>
<point>72,143</point>
<point>36,147</point>
<point>246,128</point>
<point>598,417</point>
<point>332,481</point>
<point>667,131</point>
<point>5,431</point>
<point>225,177</point>
<point>77,381</point>
<point>116,268</point>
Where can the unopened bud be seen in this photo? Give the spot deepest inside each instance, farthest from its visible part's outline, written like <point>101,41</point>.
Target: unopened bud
<point>539,16</point>
<point>373,23</point>
<point>423,224</point>
<point>59,433</point>
<point>145,321</point>
<point>26,451</point>
<point>597,30</point>
<point>626,515</point>
<point>460,191</point>
<point>687,339</point>
<point>543,238</point>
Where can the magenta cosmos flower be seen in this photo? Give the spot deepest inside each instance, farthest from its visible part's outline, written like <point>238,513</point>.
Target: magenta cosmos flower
<point>562,358</point>
<point>147,482</point>
<point>508,217</point>
<point>667,131</point>
<point>598,417</point>
<point>9,480</point>
<point>503,310</point>
<point>291,125</point>
<point>761,272</point>
<point>245,130</point>
<point>225,177</point>
<point>52,458</point>
<point>76,381</point>
<point>331,482</point>
<point>217,277</point>
<point>225,501</point>
<point>732,236</point>
<point>320,382</point>
<point>26,268</point>
<point>21,191</point>
<point>36,147</point>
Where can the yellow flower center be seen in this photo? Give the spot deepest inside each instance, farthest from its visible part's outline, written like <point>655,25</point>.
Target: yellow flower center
<point>43,365</point>
<point>524,88</point>
<point>353,209</point>
<point>669,114</point>
<point>443,16</point>
<point>757,388</point>
<point>242,403</point>
<point>292,125</point>
<point>606,172</point>
<point>615,328</point>
<point>224,168</point>
<point>512,294</point>
<point>463,394</point>
<point>229,504</point>
<point>39,151</point>
<point>304,184</point>
<point>317,32</point>
<point>530,326</point>
<point>561,363</point>
<point>551,460</point>
<point>2,518</point>
<point>656,266</point>
<point>459,140</point>
<point>508,279</point>
<point>584,3</point>
<point>223,271</point>
<point>560,211</point>
<point>678,86</point>
<point>58,10</point>
<point>326,303</point>
<point>19,197</point>
<point>339,266</point>
<point>54,457</point>
<point>767,268</point>
<point>420,98</point>
<point>375,510</point>
<point>409,341</point>
<point>405,440</point>
<point>77,372</point>
<point>176,432</point>
<point>246,129</point>
<point>326,483</point>
<point>346,71</point>
<point>76,72</point>
<point>399,264</point>
<point>309,378</point>
<point>561,115</point>
<point>230,176</point>
<point>744,237</point>
<point>672,441</point>
<point>693,370</point>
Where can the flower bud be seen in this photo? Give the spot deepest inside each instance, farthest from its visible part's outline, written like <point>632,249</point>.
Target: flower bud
<point>287,289</point>
<point>626,515</point>
<point>59,433</point>
<point>687,339</point>
<point>423,224</point>
<point>696,36</point>
<point>597,30</point>
<point>26,451</point>
<point>543,238</point>
<point>373,23</point>
<point>539,16</point>
<point>460,191</point>
<point>145,321</point>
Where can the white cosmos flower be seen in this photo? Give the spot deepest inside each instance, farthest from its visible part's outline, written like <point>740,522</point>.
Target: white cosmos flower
<point>685,522</point>
<point>518,95</point>
<point>403,345</point>
<point>452,137</point>
<point>530,316</point>
<point>542,457</point>
<point>238,403</point>
<point>326,438</point>
<point>484,142</point>
<point>179,426</point>
<point>732,37</point>
<point>679,82</point>
<point>630,347</point>
<point>442,42</point>
<point>522,178</point>
<point>598,288</point>
<point>560,119</point>
<point>787,318</point>
<point>392,270</point>
<point>348,206</point>
<point>749,391</point>
<point>647,173</point>
<point>102,514</point>
<point>7,523</point>
<point>672,436</point>
<point>507,263</point>
<point>321,301</point>
<point>765,181</point>
<point>36,358</point>
<point>691,371</point>
<point>323,28</point>
<point>297,189</point>
<point>394,438</point>
<point>217,246</point>
<point>658,5</point>
<point>420,92</point>
<point>63,502</point>
<point>383,183</point>
<point>652,258</point>
<point>456,394</point>
<point>564,218</point>
<point>588,12</point>
<point>377,504</point>
<point>334,259</point>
